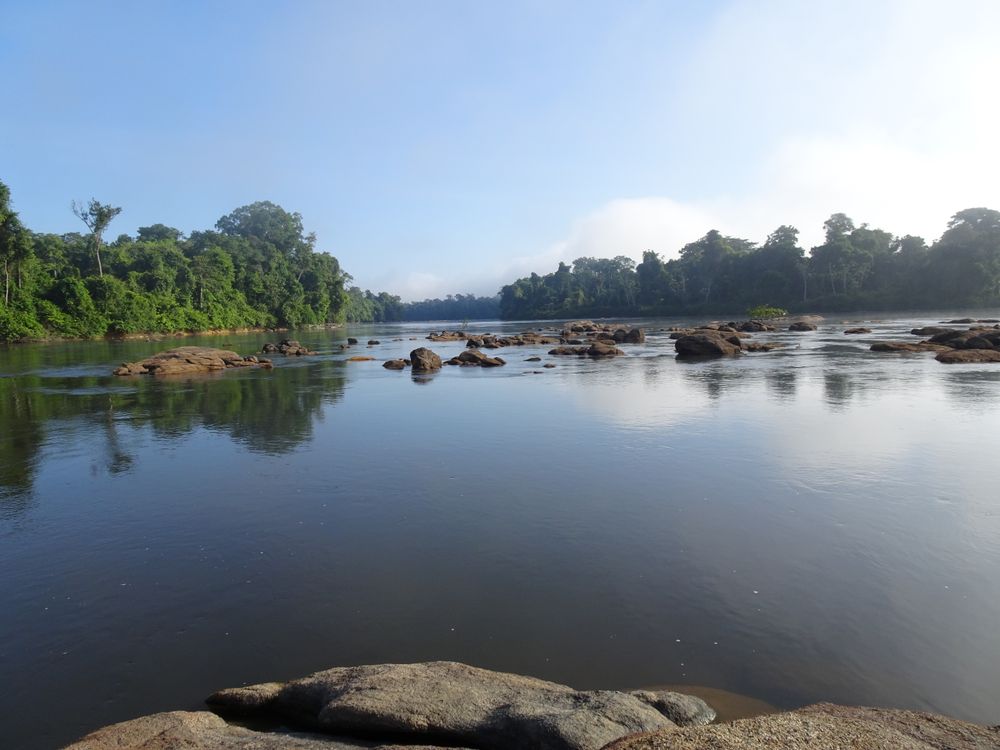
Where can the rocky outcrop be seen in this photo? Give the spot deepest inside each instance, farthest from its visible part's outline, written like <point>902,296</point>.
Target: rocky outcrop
<point>453,703</point>
<point>825,727</point>
<point>351,340</point>
<point>373,342</point>
<point>202,729</point>
<point>489,341</point>
<point>448,336</point>
<point>968,356</point>
<point>856,331</point>
<point>189,360</point>
<point>597,349</point>
<point>288,347</point>
<point>929,330</point>
<point>802,326</point>
<point>973,338</point>
<point>396,364</point>
<point>361,359</point>
<point>709,344</point>
<point>475,358</point>
<point>424,360</point>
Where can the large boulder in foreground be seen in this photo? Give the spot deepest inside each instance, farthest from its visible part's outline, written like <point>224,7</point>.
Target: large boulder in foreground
<point>189,360</point>
<point>451,703</point>
<point>202,729</point>
<point>424,360</point>
<point>825,726</point>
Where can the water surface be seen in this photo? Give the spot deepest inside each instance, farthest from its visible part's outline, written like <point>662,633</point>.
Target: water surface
<point>819,523</point>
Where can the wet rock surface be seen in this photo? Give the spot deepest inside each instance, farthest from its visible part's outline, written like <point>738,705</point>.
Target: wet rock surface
<point>190,360</point>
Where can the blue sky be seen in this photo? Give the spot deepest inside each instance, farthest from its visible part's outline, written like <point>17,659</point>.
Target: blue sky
<point>439,147</point>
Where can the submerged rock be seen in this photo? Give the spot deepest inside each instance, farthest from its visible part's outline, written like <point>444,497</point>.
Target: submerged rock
<point>907,346</point>
<point>451,703</point>
<point>424,360</point>
<point>802,326</point>
<point>825,726</point>
<point>855,331</point>
<point>396,364</point>
<point>189,360</point>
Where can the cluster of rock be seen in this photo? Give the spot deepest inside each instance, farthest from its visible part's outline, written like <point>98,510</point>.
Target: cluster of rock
<point>953,345</point>
<point>189,360</point>
<point>288,347</point>
<point>490,341</point>
<point>721,340</point>
<point>597,349</point>
<point>447,704</point>
<point>617,333</point>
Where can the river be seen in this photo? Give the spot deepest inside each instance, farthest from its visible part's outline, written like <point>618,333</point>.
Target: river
<point>815,523</point>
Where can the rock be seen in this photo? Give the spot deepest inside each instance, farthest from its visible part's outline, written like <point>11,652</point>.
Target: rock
<point>905,346</point>
<point>447,336</point>
<point>960,320</point>
<point>288,347</point>
<point>929,330</point>
<point>202,729</point>
<point>548,365</point>
<point>452,703</point>
<point>533,359</point>
<point>476,358</point>
<point>189,360</point>
<point>825,727</point>
<point>373,342</point>
<point>853,331</point>
<point>706,345</point>
<point>360,359</point>
<point>683,710</point>
<point>565,351</point>
<point>424,360</point>
<point>752,326</point>
<point>599,349</point>
<point>762,346</point>
<point>968,356</point>
<point>802,326</point>
<point>635,336</point>
<point>351,340</point>
<point>973,338</point>
<point>395,364</point>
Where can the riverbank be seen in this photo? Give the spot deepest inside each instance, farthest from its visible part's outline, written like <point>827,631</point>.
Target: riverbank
<point>448,704</point>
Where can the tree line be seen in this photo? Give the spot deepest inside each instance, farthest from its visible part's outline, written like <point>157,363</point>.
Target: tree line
<point>856,268</point>
<point>257,268</point>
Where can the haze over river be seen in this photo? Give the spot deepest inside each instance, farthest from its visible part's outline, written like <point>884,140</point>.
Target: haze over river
<point>815,523</point>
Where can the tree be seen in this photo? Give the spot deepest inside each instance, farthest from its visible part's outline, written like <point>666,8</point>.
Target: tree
<point>15,242</point>
<point>96,216</point>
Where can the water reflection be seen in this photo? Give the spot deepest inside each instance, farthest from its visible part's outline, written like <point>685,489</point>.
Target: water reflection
<point>267,412</point>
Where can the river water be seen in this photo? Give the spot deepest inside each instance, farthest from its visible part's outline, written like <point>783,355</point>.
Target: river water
<point>816,523</point>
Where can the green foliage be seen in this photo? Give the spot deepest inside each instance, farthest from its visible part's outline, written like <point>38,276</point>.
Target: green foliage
<point>856,267</point>
<point>763,312</point>
<point>259,269</point>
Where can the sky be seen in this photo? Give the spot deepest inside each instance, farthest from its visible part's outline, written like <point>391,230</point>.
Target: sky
<point>442,147</point>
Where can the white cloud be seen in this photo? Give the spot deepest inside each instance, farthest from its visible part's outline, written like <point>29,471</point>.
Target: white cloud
<point>883,111</point>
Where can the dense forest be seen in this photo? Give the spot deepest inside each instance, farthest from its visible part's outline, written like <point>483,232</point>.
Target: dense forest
<point>257,268</point>
<point>856,268</point>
